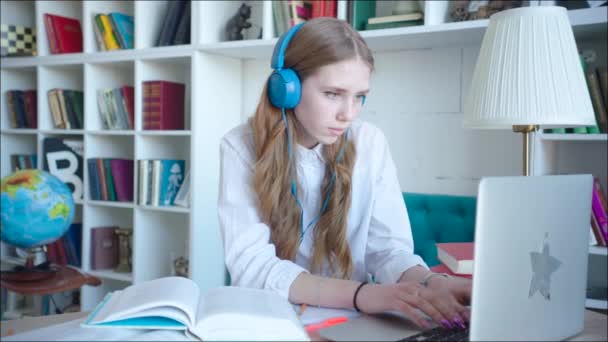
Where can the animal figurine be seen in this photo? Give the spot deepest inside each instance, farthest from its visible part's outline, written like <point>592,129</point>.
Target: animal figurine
<point>238,22</point>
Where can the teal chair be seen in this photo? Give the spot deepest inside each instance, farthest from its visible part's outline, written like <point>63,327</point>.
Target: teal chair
<point>439,218</point>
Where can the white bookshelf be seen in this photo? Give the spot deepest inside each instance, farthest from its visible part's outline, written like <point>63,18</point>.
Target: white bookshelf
<point>217,99</point>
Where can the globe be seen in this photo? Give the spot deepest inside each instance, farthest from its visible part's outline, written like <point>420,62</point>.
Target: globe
<point>37,208</point>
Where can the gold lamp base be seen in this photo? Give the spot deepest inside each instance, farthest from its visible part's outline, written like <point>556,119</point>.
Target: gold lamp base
<point>526,130</point>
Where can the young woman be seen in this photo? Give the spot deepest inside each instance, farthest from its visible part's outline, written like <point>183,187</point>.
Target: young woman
<point>310,205</point>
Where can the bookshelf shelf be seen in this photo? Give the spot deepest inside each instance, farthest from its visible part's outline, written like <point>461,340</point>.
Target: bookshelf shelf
<point>112,132</point>
<point>164,133</point>
<point>596,304</point>
<point>62,131</point>
<point>113,204</point>
<point>174,209</point>
<point>19,131</point>
<point>598,250</point>
<point>574,137</point>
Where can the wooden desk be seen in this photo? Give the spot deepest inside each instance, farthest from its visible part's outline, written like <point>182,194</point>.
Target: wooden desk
<point>596,325</point>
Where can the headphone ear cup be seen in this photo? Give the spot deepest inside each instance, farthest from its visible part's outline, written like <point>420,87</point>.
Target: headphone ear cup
<point>284,88</point>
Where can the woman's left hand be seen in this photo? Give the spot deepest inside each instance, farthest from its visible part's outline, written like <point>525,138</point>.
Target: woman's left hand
<point>450,296</point>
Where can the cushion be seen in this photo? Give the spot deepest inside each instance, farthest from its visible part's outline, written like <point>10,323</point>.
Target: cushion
<point>439,218</point>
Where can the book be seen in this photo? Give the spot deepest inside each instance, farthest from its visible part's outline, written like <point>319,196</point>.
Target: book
<point>31,107</point>
<point>163,105</point>
<point>441,268</point>
<point>144,179</point>
<point>63,158</point>
<point>599,210</point>
<point>122,24</point>
<point>128,102</point>
<point>105,26</point>
<point>396,18</point>
<point>171,178</point>
<point>175,10</point>
<point>393,24</point>
<point>361,12</point>
<point>599,107</point>
<point>64,34</point>
<point>457,256</point>
<point>103,184</point>
<point>182,34</point>
<point>602,73</point>
<point>224,313</point>
<point>94,184</point>
<point>109,179</point>
<point>182,198</point>
<point>122,172</point>
<point>104,247</point>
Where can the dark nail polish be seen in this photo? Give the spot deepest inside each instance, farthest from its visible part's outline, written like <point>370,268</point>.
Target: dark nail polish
<point>459,322</point>
<point>446,324</point>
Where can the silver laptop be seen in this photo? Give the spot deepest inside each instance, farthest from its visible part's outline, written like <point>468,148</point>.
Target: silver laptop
<point>530,270</point>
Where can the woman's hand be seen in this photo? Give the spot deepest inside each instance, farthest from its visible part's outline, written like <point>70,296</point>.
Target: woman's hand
<point>443,300</point>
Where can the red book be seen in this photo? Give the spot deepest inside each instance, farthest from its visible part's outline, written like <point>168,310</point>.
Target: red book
<point>441,268</point>
<point>64,34</point>
<point>122,172</point>
<point>457,256</point>
<point>163,105</point>
<point>104,248</point>
<point>331,8</point>
<point>318,8</point>
<point>62,255</point>
<point>51,253</point>
<point>128,99</point>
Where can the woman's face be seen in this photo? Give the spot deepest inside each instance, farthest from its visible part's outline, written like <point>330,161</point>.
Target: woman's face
<point>331,99</point>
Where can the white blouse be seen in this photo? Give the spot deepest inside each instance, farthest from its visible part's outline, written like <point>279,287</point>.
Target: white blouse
<point>378,231</point>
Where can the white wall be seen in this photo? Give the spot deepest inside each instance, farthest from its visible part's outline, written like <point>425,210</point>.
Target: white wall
<point>416,99</point>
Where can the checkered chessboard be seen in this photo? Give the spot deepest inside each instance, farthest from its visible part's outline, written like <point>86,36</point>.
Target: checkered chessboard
<point>17,40</point>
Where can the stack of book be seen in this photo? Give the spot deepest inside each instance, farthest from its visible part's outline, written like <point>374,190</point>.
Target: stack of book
<point>113,31</point>
<point>110,179</point>
<point>160,181</point>
<point>64,34</point>
<point>116,107</point>
<point>67,108</point>
<point>163,105</point>
<point>391,21</point>
<point>24,161</point>
<point>22,108</point>
<point>176,25</point>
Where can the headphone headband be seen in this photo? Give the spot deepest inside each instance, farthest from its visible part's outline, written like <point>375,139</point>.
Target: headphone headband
<point>278,55</point>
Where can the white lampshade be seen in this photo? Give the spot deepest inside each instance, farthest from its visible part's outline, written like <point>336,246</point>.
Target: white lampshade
<point>528,73</point>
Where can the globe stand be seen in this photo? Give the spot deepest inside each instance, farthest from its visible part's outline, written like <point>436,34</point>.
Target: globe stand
<point>36,267</point>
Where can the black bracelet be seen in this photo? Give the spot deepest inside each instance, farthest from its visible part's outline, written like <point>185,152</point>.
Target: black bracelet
<point>355,296</point>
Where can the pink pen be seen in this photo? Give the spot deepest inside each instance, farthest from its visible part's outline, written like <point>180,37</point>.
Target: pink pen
<point>326,323</point>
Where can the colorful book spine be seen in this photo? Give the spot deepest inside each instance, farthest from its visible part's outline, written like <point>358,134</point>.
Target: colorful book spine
<point>600,213</point>
<point>122,174</point>
<point>101,172</point>
<point>93,181</point>
<point>109,179</point>
<point>110,40</point>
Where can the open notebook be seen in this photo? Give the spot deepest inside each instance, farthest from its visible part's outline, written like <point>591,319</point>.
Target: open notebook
<point>224,313</point>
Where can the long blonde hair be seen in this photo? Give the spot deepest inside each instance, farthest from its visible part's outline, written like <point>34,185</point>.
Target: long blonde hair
<point>319,42</point>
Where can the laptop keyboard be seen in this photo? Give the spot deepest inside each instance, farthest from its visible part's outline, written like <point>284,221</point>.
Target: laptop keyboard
<point>440,334</point>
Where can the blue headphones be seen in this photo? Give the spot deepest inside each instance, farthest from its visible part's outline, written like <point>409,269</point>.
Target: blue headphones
<point>284,87</point>
<point>284,92</point>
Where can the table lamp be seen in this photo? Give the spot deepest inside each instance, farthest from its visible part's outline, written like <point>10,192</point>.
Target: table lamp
<point>528,73</point>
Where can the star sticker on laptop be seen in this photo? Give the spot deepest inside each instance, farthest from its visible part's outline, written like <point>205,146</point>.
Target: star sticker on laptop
<point>543,265</point>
